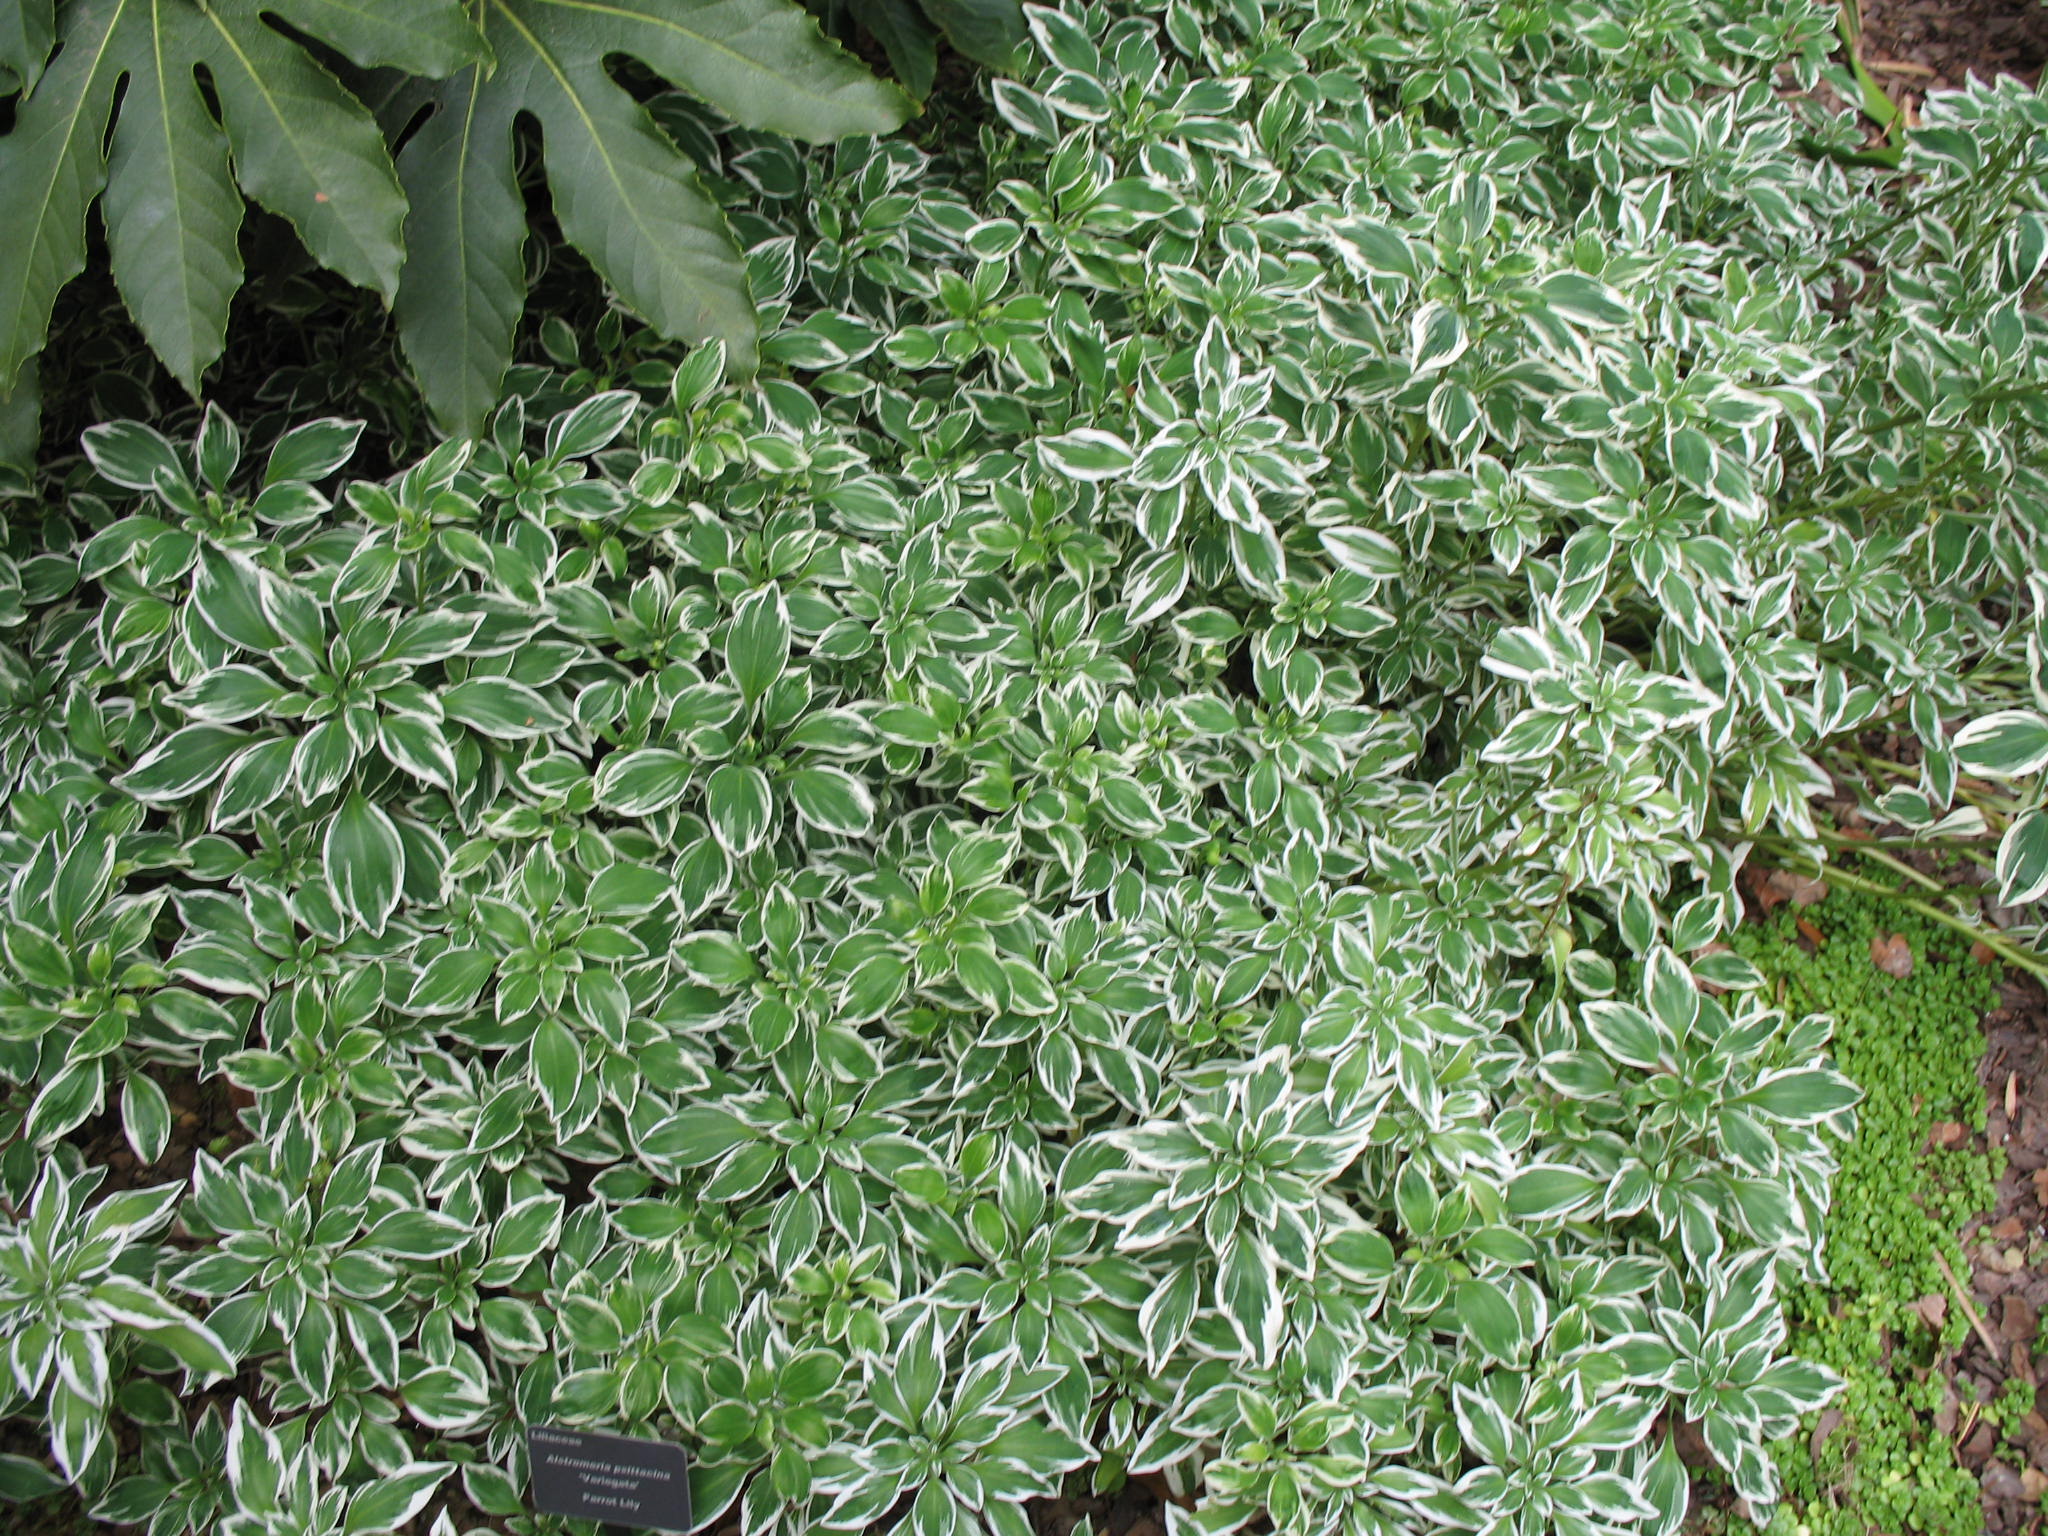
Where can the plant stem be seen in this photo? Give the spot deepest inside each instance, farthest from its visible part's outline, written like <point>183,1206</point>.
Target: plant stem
<point>1503,816</point>
<point>1969,1309</point>
<point>1873,852</point>
<point>1985,397</point>
<point>1996,166</point>
<point>2034,965</point>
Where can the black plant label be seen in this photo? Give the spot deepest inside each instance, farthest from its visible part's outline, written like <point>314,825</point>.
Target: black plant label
<point>639,1483</point>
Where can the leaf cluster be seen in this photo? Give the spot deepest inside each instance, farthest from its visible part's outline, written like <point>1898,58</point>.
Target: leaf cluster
<point>1120,864</point>
<point>180,110</point>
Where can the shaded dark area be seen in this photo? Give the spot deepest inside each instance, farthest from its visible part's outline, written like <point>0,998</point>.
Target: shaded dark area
<point>301,343</point>
<point>1136,1510</point>
<point>205,1117</point>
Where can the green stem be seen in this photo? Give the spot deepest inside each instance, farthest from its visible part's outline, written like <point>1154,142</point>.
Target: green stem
<point>1996,166</point>
<point>1987,397</point>
<point>1990,938</point>
<point>1878,855</point>
<point>1918,844</point>
<point>1896,770</point>
<point>1502,817</point>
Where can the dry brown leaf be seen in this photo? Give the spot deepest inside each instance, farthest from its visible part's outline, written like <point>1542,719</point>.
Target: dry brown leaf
<point>2033,1483</point>
<point>1949,1133</point>
<point>2001,1482</point>
<point>1933,1310</point>
<point>1977,1445</point>
<point>1983,953</point>
<point>1800,890</point>
<point>1810,933</point>
<point>1829,1421</point>
<point>1946,1415</point>
<point>1892,954</point>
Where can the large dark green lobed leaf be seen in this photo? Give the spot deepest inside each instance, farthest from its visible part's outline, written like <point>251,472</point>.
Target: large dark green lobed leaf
<point>278,128</point>
<point>988,31</point>
<point>28,30</point>
<point>625,197</point>
<point>288,136</point>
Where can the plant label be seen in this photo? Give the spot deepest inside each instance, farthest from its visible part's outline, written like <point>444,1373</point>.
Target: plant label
<point>638,1483</point>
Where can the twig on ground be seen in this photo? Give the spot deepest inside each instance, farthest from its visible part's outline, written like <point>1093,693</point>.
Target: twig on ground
<point>1970,1311</point>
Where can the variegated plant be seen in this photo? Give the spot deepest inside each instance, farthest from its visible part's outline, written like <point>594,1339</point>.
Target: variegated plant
<point>1116,866</point>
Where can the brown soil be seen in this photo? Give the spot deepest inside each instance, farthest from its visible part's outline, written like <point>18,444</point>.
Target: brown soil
<point>2008,1255</point>
<point>205,1116</point>
<point>1135,1511</point>
<point>1916,46</point>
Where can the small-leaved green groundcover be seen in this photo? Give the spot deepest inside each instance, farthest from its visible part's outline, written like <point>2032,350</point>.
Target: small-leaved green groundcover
<point>1039,891</point>
<point>1912,1044</point>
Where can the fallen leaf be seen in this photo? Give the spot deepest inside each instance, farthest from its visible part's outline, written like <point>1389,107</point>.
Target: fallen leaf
<point>1800,890</point>
<point>2012,1095</point>
<point>1979,1444</point>
<point>1945,1416</point>
<point>1810,933</point>
<point>1933,1310</point>
<point>1949,1133</point>
<point>1983,953</point>
<point>1829,1421</point>
<point>2033,1483</point>
<point>2001,1482</point>
<point>2017,1319</point>
<point>1892,955</point>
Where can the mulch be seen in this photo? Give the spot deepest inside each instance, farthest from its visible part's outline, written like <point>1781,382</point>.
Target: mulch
<point>2008,1280</point>
<point>1916,46</point>
<point>1136,1510</point>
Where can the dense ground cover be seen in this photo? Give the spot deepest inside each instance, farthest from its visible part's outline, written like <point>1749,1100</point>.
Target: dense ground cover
<point>1903,1199</point>
<point>1106,869</point>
